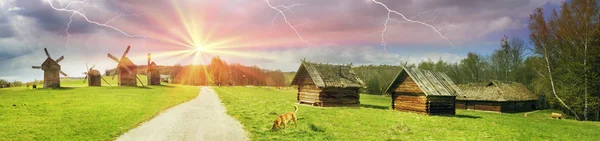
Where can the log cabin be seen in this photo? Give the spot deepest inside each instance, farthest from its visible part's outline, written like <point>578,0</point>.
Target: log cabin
<point>506,97</point>
<point>422,91</point>
<point>327,85</point>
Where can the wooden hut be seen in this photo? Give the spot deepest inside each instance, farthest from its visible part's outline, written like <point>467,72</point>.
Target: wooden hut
<point>496,96</point>
<point>423,91</point>
<point>94,77</point>
<point>327,85</point>
<point>126,78</point>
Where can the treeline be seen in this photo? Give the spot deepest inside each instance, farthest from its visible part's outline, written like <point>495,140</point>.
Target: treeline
<point>5,84</point>
<point>377,78</point>
<point>219,73</point>
<point>562,67</point>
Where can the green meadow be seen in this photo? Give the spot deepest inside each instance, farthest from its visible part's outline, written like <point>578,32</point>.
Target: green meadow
<point>256,108</point>
<point>78,112</point>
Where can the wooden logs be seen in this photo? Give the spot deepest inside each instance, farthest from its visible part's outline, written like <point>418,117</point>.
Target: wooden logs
<point>556,115</point>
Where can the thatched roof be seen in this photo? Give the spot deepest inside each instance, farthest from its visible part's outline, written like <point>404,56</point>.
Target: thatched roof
<point>327,75</point>
<point>432,83</point>
<point>495,91</point>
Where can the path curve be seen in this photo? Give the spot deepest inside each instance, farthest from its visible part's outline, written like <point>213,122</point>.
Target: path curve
<point>530,113</point>
<point>202,118</point>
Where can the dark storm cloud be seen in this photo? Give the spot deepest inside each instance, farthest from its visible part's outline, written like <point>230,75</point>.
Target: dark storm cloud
<point>51,20</point>
<point>6,28</point>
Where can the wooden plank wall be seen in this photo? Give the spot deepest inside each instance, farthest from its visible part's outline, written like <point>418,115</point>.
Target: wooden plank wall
<point>441,105</point>
<point>409,97</point>
<point>126,78</point>
<point>51,78</point>
<point>410,103</point>
<point>517,106</point>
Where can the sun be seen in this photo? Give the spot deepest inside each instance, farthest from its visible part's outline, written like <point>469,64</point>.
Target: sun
<point>199,48</point>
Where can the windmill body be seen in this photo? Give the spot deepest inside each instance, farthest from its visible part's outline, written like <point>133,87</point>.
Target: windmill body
<point>94,77</point>
<point>153,73</point>
<point>126,78</point>
<point>51,73</point>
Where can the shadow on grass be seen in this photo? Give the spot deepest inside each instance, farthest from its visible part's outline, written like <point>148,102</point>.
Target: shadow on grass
<point>467,116</point>
<point>168,86</point>
<point>374,106</point>
<point>315,128</point>
<point>144,87</point>
<point>61,88</point>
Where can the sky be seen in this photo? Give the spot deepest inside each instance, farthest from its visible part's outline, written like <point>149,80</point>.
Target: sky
<point>274,34</point>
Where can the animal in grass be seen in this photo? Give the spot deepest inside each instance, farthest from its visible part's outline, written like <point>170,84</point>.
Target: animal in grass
<point>285,118</point>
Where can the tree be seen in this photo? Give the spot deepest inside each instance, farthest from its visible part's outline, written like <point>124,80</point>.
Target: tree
<point>472,66</point>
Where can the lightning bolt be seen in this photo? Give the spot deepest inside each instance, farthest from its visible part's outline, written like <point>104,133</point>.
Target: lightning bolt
<point>281,12</point>
<point>106,24</point>
<point>390,12</point>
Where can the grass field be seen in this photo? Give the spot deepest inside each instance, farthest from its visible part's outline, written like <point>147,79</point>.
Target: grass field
<point>256,108</point>
<point>78,112</point>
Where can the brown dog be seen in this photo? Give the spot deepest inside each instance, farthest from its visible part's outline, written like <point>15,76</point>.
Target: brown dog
<point>285,118</point>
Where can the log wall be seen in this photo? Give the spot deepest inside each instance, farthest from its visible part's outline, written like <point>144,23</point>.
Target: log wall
<point>126,78</point>
<point>309,93</point>
<point>153,77</point>
<point>505,106</point>
<point>408,96</point>
<point>441,105</point>
<point>94,80</point>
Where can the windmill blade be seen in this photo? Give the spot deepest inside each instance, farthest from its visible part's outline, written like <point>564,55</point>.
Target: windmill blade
<point>85,78</point>
<point>126,51</point>
<point>115,73</point>
<point>105,81</point>
<point>126,68</point>
<point>86,67</point>
<point>36,67</point>
<point>139,80</point>
<point>63,73</point>
<point>91,68</point>
<point>113,58</point>
<point>46,51</point>
<point>60,59</point>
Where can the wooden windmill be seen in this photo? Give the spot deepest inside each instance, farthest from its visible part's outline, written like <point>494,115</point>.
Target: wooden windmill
<point>93,76</point>
<point>125,69</point>
<point>153,73</point>
<point>51,71</point>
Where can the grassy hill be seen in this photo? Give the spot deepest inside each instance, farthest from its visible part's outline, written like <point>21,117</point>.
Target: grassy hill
<point>256,108</point>
<point>78,112</point>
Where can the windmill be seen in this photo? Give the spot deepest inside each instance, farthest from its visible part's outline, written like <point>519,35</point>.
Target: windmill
<point>51,70</point>
<point>93,76</point>
<point>153,73</point>
<point>125,69</point>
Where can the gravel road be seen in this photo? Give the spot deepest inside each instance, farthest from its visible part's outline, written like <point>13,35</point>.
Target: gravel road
<point>203,118</point>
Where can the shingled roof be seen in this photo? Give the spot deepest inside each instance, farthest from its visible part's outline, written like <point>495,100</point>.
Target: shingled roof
<point>495,91</point>
<point>328,75</point>
<point>432,83</point>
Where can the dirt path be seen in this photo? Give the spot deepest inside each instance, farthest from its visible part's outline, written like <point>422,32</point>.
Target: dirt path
<point>202,118</point>
<point>530,113</point>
